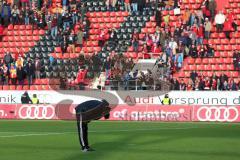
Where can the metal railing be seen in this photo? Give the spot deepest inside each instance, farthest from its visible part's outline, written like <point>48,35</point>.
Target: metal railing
<point>136,85</point>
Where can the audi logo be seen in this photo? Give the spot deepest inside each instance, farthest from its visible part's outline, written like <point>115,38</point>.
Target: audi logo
<point>36,112</point>
<point>221,114</point>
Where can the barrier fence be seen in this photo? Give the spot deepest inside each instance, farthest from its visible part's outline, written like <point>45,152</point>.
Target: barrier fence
<point>127,113</point>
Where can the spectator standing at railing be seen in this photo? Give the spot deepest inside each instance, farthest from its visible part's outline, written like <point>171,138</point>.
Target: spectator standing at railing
<point>200,34</point>
<point>71,42</point>
<point>8,59</point>
<point>1,31</point>
<point>127,5</point>
<point>182,85</point>
<point>207,28</point>
<point>223,79</point>
<point>86,27</point>
<point>26,15</point>
<point>179,60</point>
<point>20,75</point>
<point>173,46</point>
<point>134,4</point>
<point>227,28</point>
<point>126,79</point>
<point>74,15</point>
<point>135,44</point>
<point>19,62</point>
<point>48,19</point>
<point>232,85</point>
<point>13,74</point>
<point>236,60</point>
<point>64,44</point>
<point>219,20</point>
<point>65,18</point>
<point>83,11</point>
<point>206,12</point>
<point>6,13</point>
<point>37,68</point>
<point>1,75</point>
<point>5,76</point>
<point>141,5</point>
<point>15,15</point>
<point>29,69</point>
<point>54,29</point>
<point>212,6</point>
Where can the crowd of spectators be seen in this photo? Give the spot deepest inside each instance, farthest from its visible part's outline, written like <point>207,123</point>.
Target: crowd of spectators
<point>198,82</point>
<point>188,37</point>
<point>59,21</point>
<point>171,45</point>
<point>14,70</point>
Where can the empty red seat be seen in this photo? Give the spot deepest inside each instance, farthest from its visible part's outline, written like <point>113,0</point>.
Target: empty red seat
<point>99,14</point>
<point>112,14</point>
<point>235,74</point>
<point>125,13</point>
<point>198,60</point>
<point>192,67</point>
<point>12,87</point>
<point>212,60</point>
<point>230,67</point>
<point>33,87</point>
<point>217,54</point>
<point>58,49</point>
<point>106,14</point>
<point>5,87</point>
<point>205,61</point>
<point>228,60</point>
<point>191,61</point>
<point>19,87</point>
<point>224,54</point>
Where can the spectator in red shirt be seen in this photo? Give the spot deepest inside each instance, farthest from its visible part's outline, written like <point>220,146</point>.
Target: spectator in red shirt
<point>230,16</point>
<point>200,33</point>
<point>206,12</point>
<point>19,53</point>
<point>101,38</point>
<point>1,32</point>
<point>156,48</point>
<point>149,42</point>
<point>227,28</point>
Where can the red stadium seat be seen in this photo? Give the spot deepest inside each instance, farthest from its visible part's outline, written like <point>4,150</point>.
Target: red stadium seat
<point>5,87</point>
<point>205,61</point>
<point>198,61</point>
<point>19,87</point>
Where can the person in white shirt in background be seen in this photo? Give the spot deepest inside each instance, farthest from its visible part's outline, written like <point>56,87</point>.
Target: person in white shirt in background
<point>219,20</point>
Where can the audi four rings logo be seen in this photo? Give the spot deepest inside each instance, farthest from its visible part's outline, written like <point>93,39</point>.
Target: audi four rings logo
<point>221,114</point>
<point>36,112</point>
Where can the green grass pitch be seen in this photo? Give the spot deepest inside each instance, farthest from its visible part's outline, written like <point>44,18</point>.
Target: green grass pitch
<point>57,140</point>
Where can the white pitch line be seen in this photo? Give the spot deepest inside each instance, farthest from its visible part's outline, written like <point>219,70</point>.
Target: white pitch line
<point>132,130</point>
<point>112,131</point>
<point>26,135</point>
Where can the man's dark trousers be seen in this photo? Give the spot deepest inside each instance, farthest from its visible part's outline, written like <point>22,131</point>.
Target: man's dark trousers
<point>82,132</point>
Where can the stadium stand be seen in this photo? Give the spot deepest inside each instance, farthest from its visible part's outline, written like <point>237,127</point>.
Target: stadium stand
<point>79,44</point>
